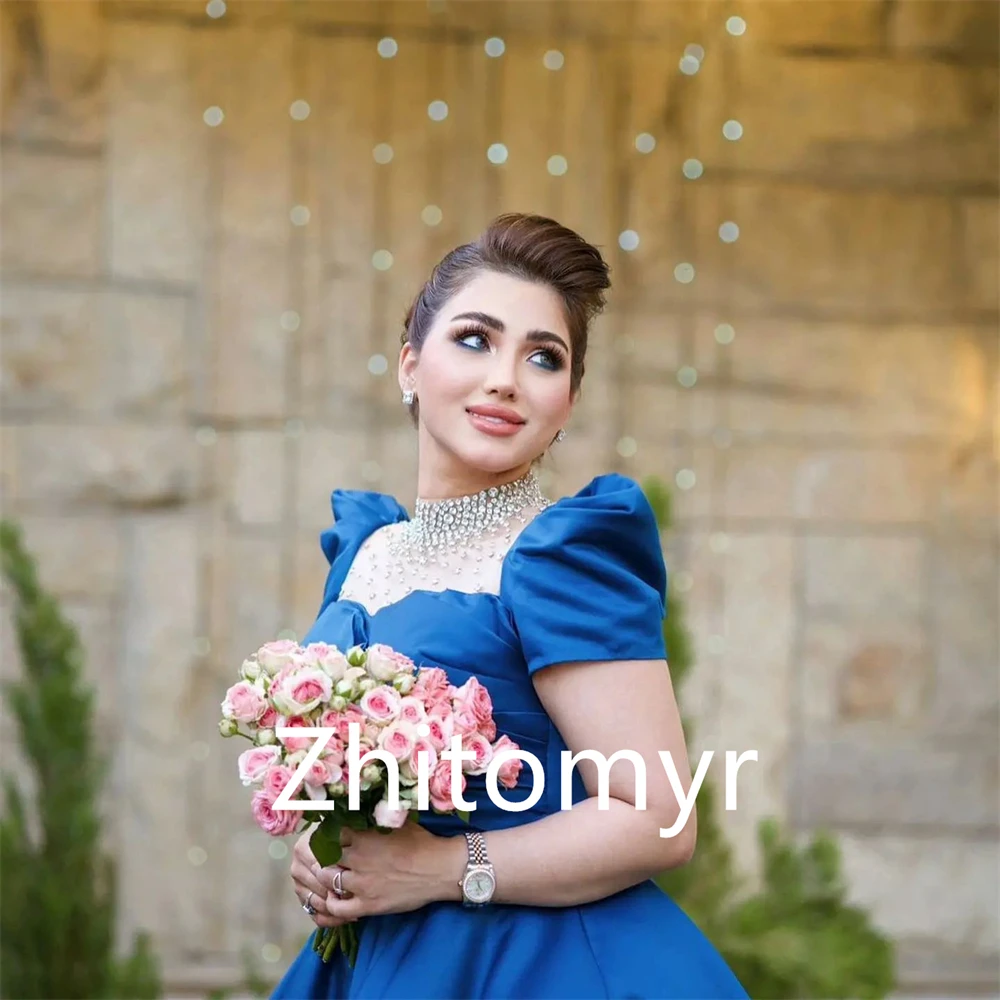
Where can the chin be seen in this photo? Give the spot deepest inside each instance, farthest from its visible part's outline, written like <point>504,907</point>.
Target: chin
<point>492,457</point>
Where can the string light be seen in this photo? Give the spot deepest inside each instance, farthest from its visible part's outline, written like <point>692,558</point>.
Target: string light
<point>299,110</point>
<point>213,116</point>
<point>627,447</point>
<point>732,130</point>
<point>383,153</point>
<point>431,215</point>
<point>215,8</point>
<point>684,273</point>
<point>553,60</point>
<point>495,47</point>
<point>497,153</point>
<point>290,321</point>
<point>645,143</point>
<point>387,48</point>
<point>377,364</point>
<point>724,333</point>
<point>628,240</point>
<point>687,376</point>
<point>692,169</point>
<point>381,260</point>
<point>299,215</point>
<point>729,232</point>
<point>736,25</point>
<point>557,165</point>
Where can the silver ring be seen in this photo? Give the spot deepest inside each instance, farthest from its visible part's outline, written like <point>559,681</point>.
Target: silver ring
<point>308,907</point>
<point>338,883</point>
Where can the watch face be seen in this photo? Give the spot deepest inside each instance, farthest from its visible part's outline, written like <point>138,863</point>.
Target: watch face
<point>479,886</point>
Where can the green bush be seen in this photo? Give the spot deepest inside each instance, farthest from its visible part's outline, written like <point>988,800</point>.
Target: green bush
<point>795,936</point>
<point>57,888</point>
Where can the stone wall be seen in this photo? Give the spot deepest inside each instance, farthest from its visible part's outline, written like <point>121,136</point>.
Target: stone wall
<point>199,331</point>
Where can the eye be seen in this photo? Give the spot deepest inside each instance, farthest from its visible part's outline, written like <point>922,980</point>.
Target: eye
<point>474,339</point>
<point>552,360</point>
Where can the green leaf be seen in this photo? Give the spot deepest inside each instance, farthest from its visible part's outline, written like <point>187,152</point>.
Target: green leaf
<point>463,815</point>
<point>325,841</point>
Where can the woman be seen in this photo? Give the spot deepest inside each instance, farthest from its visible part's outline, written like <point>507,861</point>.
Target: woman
<point>558,609</point>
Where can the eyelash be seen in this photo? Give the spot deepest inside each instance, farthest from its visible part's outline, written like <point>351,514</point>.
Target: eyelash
<point>556,357</point>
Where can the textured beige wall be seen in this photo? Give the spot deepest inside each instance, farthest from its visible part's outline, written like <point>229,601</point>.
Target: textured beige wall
<point>186,376</point>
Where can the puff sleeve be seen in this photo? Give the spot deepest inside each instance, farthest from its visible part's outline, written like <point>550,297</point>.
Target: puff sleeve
<point>356,513</point>
<point>586,579</point>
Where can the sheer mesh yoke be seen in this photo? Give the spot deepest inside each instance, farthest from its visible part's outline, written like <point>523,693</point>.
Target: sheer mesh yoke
<point>378,577</point>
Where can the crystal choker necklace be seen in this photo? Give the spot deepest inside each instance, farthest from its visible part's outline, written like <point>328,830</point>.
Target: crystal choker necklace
<point>445,524</point>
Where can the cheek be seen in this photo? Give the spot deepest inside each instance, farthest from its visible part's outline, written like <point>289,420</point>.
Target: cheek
<point>551,399</point>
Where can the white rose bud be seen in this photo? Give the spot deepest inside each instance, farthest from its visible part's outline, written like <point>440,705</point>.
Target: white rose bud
<point>345,688</point>
<point>228,727</point>
<point>337,703</point>
<point>337,790</point>
<point>371,773</point>
<point>265,737</point>
<point>367,684</point>
<point>403,683</point>
<point>356,656</point>
<point>251,670</point>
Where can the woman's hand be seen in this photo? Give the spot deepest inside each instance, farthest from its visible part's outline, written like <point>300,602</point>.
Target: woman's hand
<point>392,872</point>
<point>308,887</point>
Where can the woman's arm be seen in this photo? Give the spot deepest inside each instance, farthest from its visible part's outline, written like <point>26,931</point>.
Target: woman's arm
<point>570,857</point>
<point>583,854</point>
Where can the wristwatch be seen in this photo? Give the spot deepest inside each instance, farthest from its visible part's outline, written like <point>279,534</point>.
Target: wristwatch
<point>479,881</point>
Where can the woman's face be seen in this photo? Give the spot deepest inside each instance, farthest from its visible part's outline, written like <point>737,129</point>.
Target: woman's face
<point>492,378</point>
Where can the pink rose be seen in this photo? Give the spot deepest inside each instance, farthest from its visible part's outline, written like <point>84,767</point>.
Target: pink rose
<point>384,663</point>
<point>441,731</point>
<point>412,710</point>
<point>293,743</point>
<point>432,684</point>
<point>244,703</point>
<point>272,656</point>
<point>476,697</point>
<point>254,763</point>
<point>483,751</point>
<point>510,770</point>
<point>329,659</point>
<point>439,786</point>
<point>464,720</point>
<point>276,823</point>
<point>344,720</point>
<point>318,774</point>
<point>408,769</point>
<point>488,729</point>
<point>381,704</point>
<point>385,816</point>
<point>269,719</point>
<point>297,689</point>
<point>398,740</point>
<point>276,779</point>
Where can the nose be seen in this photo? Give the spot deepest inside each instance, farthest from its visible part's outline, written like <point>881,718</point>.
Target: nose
<point>501,377</point>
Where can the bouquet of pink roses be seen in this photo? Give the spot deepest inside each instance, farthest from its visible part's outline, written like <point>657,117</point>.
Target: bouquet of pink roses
<point>347,705</point>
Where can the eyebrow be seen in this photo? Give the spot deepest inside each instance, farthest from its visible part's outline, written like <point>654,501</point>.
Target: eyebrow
<point>493,323</point>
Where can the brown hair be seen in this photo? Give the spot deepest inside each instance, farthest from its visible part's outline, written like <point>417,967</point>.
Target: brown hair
<point>525,246</point>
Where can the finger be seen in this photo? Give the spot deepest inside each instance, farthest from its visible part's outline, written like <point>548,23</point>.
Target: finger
<point>346,909</point>
<point>325,876</point>
<point>306,883</point>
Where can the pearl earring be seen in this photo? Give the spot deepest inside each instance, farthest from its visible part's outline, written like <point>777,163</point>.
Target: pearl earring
<point>408,397</point>
<point>561,435</point>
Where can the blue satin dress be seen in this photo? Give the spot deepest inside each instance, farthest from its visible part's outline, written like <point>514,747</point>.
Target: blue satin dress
<point>585,580</point>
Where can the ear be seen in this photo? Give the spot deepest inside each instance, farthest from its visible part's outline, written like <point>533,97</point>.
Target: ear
<point>407,367</point>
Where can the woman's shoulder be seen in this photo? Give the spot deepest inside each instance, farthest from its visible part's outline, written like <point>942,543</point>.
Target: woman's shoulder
<point>611,506</point>
<point>586,578</point>
<point>356,514</point>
